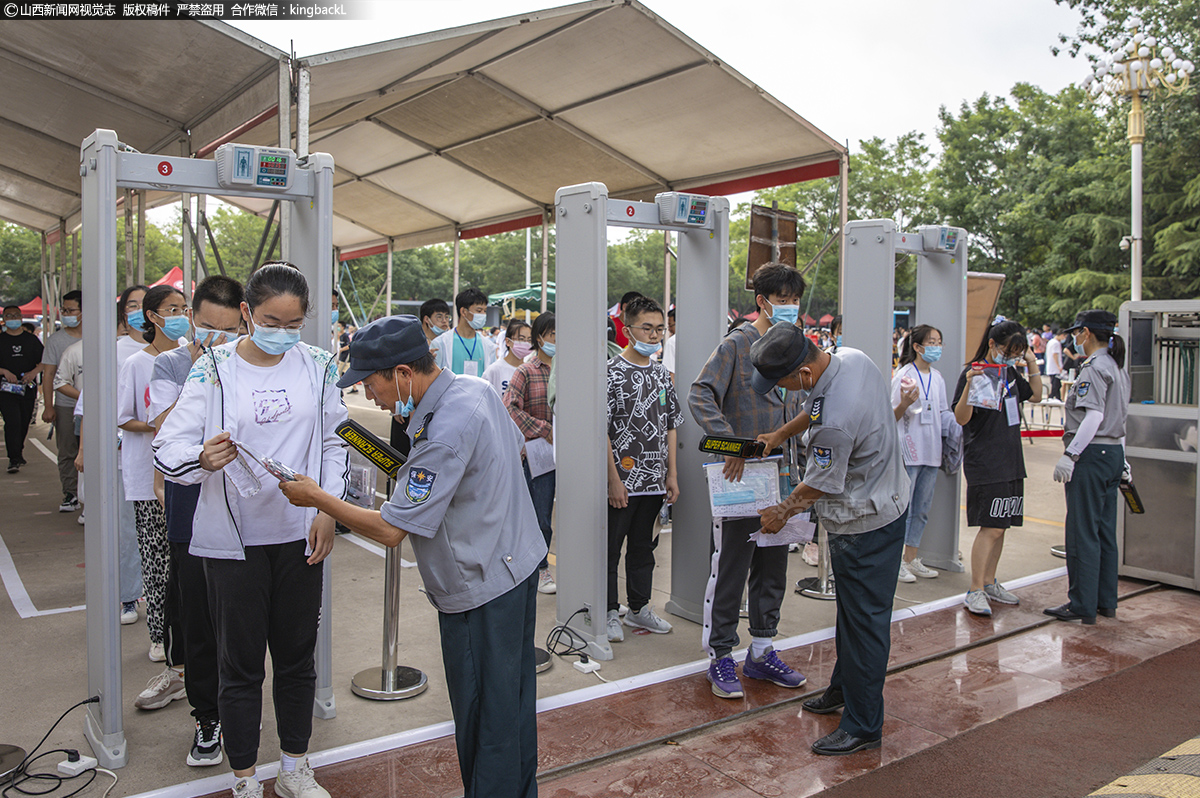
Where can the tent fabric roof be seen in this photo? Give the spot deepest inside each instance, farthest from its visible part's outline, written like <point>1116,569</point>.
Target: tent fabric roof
<point>471,130</point>
<point>461,132</point>
<point>151,82</point>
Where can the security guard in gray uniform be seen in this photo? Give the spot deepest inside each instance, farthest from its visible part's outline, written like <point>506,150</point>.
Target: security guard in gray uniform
<point>463,503</point>
<point>1091,466</point>
<point>854,474</point>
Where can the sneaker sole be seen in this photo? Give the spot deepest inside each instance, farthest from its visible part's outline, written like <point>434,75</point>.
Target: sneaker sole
<point>549,592</point>
<point>908,581</point>
<point>987,614</point>
<point>206,762</point>
<point>633,625</point>
<point>161,701</point>
<point>719,693</point>
<point>1011,603</point>
<point>128,621</point>
<point>925,576</point>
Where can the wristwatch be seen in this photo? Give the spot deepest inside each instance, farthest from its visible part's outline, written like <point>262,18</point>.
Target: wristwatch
<point>1074,457</point>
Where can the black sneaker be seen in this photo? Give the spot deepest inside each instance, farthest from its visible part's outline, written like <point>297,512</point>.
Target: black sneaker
<point>69,504</point>
<point>13,466</point>
<point>206,749</point>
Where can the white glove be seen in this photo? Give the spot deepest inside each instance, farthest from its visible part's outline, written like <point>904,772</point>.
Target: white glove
<point>1127,473</point>
<point>1064,469</point>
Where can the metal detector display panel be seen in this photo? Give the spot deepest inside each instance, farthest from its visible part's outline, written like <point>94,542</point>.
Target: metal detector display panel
<point>678,208</point>
<point>242,165</point>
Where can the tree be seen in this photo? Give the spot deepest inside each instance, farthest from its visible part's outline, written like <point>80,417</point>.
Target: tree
<point>20,264</point>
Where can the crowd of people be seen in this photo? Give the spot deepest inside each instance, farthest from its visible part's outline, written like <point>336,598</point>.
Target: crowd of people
<point>229,564</point>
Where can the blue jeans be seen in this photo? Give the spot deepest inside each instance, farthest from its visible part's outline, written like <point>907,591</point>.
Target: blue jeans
<point>923,479</point>
<point>541,490</point>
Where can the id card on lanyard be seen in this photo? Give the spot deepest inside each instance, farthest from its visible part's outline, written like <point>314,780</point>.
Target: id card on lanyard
<point>1010,404</point>
<point>470,364</point>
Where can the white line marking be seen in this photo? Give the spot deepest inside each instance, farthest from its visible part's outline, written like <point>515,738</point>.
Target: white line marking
<point>16,589</point>
<point>41,447</point>
<point>374,548</point>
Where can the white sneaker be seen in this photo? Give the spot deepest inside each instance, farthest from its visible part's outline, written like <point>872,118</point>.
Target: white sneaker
<point>247,788</point>
<point>129,613</point>
<point>546,582</point>
<point>918,568</point>
<point>811,554</point>
<point>79,520</point>
<point>300,783</point>
<point>996,592</point>
<point>615,633</point>
<point>622,611</point>
<point>157,653</point>
<point>977,603</point>
<point>161,690</point>
<point>646,619</point>
<point>905,575</point>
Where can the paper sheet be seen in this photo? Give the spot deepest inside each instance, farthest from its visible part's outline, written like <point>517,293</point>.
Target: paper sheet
<point>797,529</point>
<point>758,488</point>
<point>539,453</point>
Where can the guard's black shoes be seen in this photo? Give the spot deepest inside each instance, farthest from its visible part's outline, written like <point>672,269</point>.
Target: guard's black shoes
<point>829,701</point>
<point>1064,613</point>
<point>1107,613</point>
<point>840,743</point>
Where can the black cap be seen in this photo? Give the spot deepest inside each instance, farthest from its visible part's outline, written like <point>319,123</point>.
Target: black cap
<point>382,344</point>
<point>1100,320</point>
<point>776,355</point>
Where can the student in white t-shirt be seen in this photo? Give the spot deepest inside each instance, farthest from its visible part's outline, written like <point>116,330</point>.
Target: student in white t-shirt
<point>518,343</point>
<point>164,322</point>
<point>1054,363</point>
<point>922,416</point>
<point>266,395</point>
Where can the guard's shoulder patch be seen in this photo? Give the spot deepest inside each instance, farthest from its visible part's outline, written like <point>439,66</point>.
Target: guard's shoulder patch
<point>823,456</point>
<point>1082,388</point>
<point>420,484</point>
<point>814,415</point>
<point>423,430</point>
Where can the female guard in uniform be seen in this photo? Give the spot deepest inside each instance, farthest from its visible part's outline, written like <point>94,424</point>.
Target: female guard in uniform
<point>992,460</point>
<point>1091,468</point>
<point>269,395</point>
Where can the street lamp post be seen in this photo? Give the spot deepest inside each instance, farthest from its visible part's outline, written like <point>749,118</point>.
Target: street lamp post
<point>1140,68</point>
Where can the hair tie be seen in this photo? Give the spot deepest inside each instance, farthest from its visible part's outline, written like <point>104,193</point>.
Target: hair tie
<point>999,318</point>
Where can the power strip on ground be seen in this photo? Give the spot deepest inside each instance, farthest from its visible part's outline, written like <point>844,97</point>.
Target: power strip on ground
<point>591,666</point>
<point>82,765</point>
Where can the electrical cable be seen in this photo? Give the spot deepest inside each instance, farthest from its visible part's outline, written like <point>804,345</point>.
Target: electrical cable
<point>22,774</point>
<point>108,772</point>
<point>575,644</point>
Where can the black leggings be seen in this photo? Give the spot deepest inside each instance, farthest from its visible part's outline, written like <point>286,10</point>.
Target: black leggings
<point>17,412</point>
<point>272,599</point>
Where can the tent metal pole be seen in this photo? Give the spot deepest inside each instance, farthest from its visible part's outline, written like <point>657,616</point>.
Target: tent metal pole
<point>186,218</point>
<point>387,308</point>
<point>47,329</point>
<point>141,238</point>
<point>285,141</point>
<point>75,260</point>
<point>666,278</point>
<point>302,114</point>
<point>455,264</point>
<point>545,257</point>
<point>843,217</point>
<point>128,237</point>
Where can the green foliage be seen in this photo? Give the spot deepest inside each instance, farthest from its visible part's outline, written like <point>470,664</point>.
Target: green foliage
<point>20,264</point>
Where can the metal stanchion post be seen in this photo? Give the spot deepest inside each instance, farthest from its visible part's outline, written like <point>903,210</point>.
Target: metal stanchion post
<point>1059,551</point>
<point>392,681</point>
<point>820,586</point>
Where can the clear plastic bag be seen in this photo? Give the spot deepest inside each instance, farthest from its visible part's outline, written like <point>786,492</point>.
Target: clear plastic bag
<point>987,390</point>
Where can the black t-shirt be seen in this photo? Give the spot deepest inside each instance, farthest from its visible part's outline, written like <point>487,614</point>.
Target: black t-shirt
<point>991,446</point>
<point>344,341</point>
<point>20,354</point>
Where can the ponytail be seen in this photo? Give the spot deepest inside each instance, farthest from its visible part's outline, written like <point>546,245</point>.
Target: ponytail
<point>917,335</point>
<point>1116,344</point>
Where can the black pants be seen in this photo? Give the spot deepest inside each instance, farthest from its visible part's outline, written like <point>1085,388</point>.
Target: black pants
<point>17,412</point>
<point>633,525</point>
<point>192,641</point>
<point>272,599</point>
<point>864,567</point>
<point>733,558</point>
<point>1092,529</point>
<point>488,656</point>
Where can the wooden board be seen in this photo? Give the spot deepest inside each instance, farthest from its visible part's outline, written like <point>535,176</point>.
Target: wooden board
<point>983,293</point>
<point>761,251</point>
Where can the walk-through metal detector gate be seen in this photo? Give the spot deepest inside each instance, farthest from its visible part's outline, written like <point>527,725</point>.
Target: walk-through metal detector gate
<point>868,295</point>
<point>583,215</point>
<point>243,171</point>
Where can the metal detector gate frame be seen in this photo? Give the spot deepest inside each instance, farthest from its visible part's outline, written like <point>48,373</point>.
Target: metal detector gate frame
<point>584,213</point>
<point>868,291</point>
<point>106,166</point>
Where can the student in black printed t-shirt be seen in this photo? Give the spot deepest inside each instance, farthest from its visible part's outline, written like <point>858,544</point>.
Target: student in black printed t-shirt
<point>20,365</point>
<point>643,414</point>
<point>993,463</point>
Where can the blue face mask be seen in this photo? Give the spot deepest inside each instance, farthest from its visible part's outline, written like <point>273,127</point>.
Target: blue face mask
<point>218,336</point>
<point>548,349</point>
<point>478,320</point>
<point>839,339</point>
<point>274,341</point>
<point>70,321</point>
<point>784,313</point>
<point>12,324</point>
<point>646,350</point>
<point>405,410</point>
<point>1075,345</point>
<point>334,318</point>
<point>134,320</point>
<point>932,354</point>
<point>436,329</point>
<point>176,327</point>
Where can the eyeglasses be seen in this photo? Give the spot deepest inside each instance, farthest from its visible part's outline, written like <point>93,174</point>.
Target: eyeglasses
<point>289,327</point>
<point>646,329</point>
<point>167,313</point>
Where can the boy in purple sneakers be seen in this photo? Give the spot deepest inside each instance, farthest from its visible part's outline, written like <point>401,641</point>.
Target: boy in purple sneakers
<point>723,403</point>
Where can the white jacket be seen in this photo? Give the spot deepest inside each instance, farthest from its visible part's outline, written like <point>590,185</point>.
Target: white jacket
<point>202,412</point>
<point>444,344</point>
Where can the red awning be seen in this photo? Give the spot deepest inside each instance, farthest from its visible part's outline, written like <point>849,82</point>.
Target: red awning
<point>32,308</point>
<point>173,278</point>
